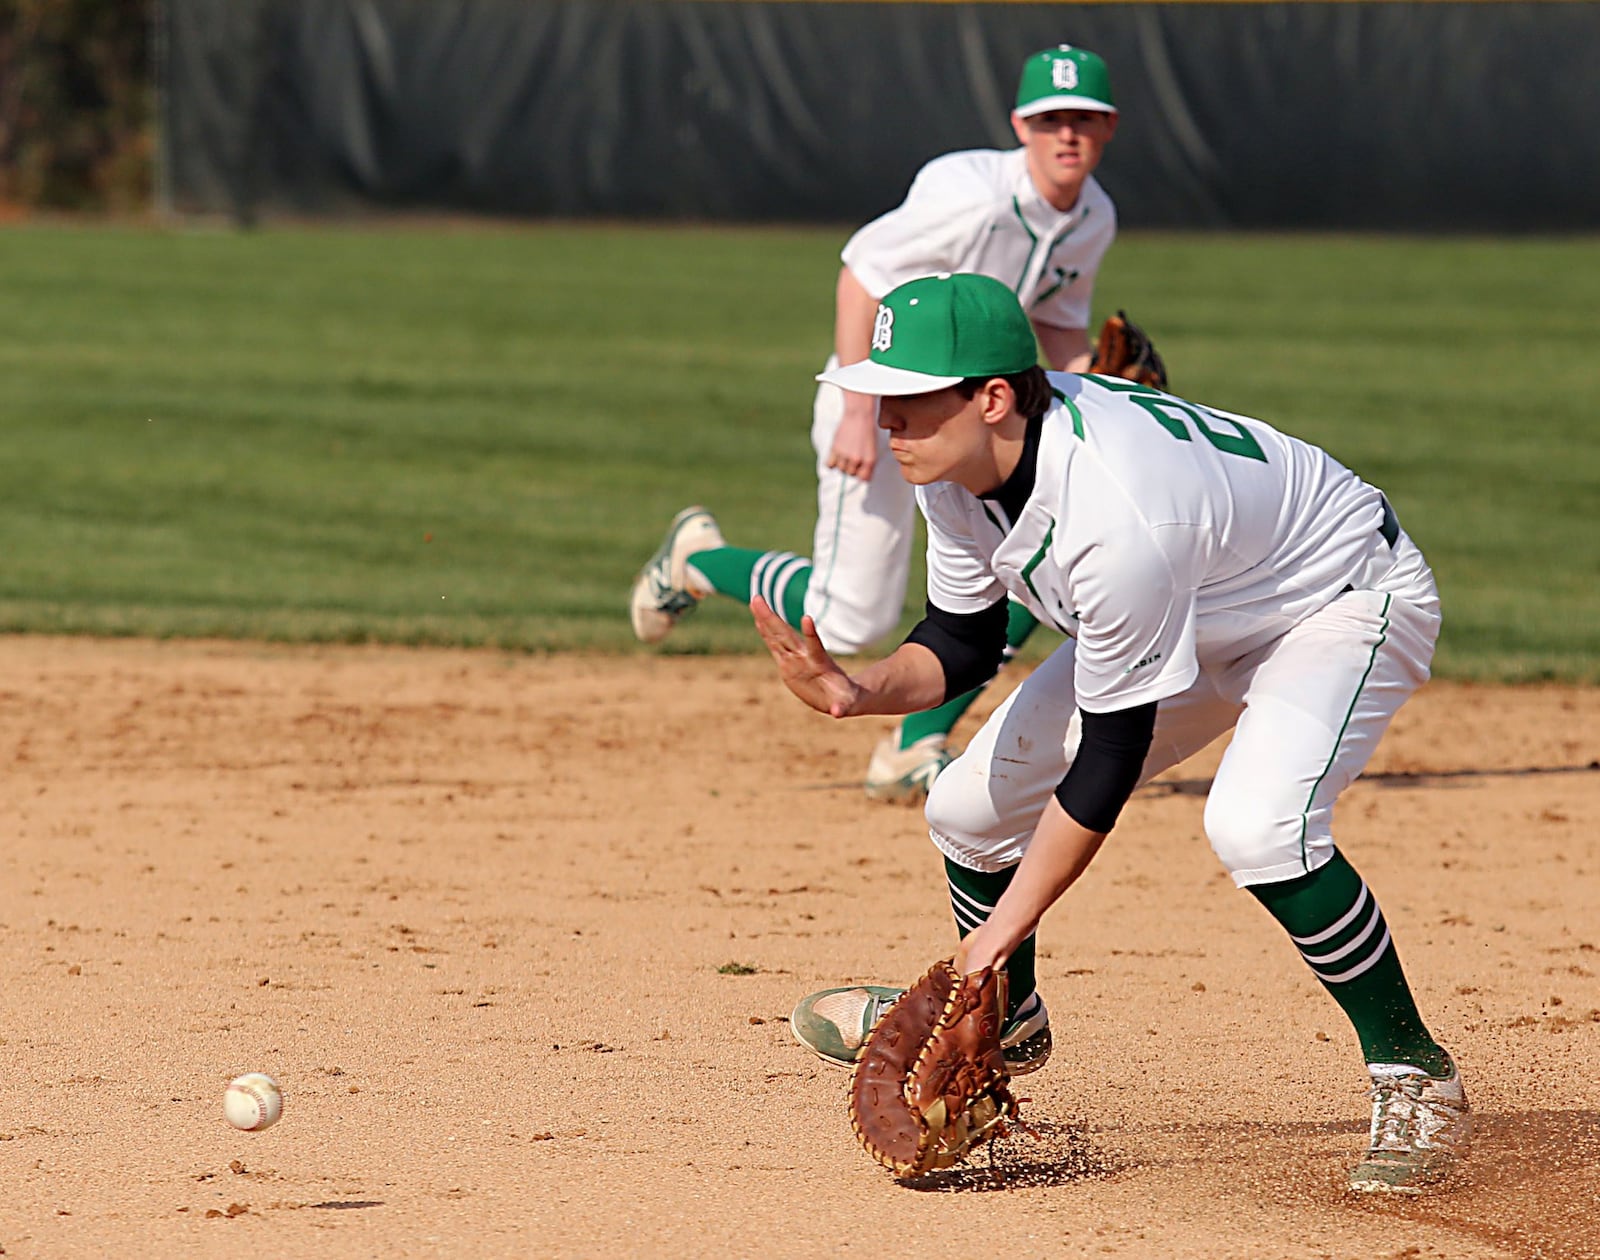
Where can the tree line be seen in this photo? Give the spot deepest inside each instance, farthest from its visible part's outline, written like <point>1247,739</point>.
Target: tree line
<point>77,104</point>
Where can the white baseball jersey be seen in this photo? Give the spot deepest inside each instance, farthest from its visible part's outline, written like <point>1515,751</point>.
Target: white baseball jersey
<point>1163,535</point>
<point>973,211</point>
<point>979,211</point>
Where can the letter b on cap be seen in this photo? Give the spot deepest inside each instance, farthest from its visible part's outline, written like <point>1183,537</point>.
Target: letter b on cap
<point>883,329</point>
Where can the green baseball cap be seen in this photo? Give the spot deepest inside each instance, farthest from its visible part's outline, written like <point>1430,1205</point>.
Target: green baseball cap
<point>936,331</point>
<point>1064,78</point>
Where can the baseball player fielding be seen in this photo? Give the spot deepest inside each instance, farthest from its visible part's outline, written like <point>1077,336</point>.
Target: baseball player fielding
<point>1032,217</point>
<point>1212,575</point>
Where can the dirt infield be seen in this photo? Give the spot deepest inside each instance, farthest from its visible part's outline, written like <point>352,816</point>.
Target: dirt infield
<point>518,937</point>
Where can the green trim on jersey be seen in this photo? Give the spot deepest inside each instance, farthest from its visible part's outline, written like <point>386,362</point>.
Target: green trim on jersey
<point>1038,558</point>
<point>1077,416</point>
<point>1027,262</point>
<point>1372,659</point>
<point>1063,275</point>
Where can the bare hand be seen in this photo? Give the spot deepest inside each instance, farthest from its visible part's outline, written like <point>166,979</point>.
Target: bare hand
<point>804,664</point>
<point>855,442</point>
<point>979,949</point>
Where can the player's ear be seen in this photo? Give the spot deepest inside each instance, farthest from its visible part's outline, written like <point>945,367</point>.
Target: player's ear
<point>1020,127</point>
<point>998,399</point>
<point>1111,126</point>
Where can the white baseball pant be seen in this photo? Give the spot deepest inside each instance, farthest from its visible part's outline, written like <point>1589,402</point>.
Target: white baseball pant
<point>861,554</point>
<point>1307,711</point>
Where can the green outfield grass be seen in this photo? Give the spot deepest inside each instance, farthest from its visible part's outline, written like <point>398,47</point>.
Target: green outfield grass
<point>476,436</point>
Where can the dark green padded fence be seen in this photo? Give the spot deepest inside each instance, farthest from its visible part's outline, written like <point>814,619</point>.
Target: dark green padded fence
<point>1427,116</point>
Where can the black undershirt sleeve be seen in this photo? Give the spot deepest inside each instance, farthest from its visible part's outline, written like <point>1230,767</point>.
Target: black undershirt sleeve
<point>1111,753</point>
<point>970,646</point>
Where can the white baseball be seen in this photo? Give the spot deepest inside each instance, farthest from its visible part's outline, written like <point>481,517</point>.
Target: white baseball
<point>253,1101</point>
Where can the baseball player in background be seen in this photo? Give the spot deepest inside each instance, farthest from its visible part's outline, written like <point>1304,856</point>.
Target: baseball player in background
<point>1213,575</point>
<point>1033,218</point>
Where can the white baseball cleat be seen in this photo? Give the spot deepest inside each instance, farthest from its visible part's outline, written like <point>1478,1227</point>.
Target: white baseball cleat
<point>663,593</point>
<point>1421,1127</point>
<point>904,775</point>
<point>833,1024</point>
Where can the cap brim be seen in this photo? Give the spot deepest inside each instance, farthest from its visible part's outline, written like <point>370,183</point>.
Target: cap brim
<point>883,381</point>
<point>1046,103</point>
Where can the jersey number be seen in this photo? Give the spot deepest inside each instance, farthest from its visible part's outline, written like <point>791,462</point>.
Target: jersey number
<point>1170,413</point>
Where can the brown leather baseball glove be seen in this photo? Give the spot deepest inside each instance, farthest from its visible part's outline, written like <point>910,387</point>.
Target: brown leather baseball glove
<point>930,1082</point>
<point>1125,350</point>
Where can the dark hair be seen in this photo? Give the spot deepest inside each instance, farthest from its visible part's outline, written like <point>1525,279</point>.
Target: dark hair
<point>1032,388</point>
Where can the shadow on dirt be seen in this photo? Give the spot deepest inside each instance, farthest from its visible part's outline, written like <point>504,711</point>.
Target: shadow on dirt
<point>1048,1154</point>
<point>1393,779</point>
<point>1396,779</point>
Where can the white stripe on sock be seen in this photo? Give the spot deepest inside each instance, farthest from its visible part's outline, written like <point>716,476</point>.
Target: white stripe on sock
<point>758,575</point>
<point>1360,968</point>
<point>1350,947</point>
<point>762,579</point>
<point>971,901</point>
<point>1346,921</point>
<point>781,578</point>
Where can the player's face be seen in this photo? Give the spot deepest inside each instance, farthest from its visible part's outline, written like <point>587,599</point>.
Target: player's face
<point>940,437</point>
<point>1064,147</point>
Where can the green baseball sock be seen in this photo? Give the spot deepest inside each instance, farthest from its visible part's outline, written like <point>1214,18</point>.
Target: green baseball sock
<point>779,577</point>
<point>1335,923</point>
<point>1020,624</point>
<point>973,897</point>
